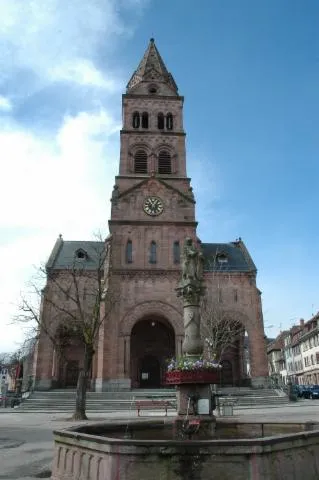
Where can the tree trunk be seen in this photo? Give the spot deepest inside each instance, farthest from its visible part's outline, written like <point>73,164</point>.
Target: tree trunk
<point>81,388</point>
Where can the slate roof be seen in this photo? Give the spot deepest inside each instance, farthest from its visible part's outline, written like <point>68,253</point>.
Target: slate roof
<point>151,61</point>
<point>238,258</point>
<point>64,252</point>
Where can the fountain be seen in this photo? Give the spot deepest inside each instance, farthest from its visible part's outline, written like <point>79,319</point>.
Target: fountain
<point>193,385</point>
<point>192,445</point>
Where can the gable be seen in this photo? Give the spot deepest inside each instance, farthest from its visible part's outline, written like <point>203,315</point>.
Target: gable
<point>154,186</point>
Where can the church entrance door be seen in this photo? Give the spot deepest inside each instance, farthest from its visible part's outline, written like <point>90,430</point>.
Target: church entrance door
<point>150,372</point>
<point>152,344</point>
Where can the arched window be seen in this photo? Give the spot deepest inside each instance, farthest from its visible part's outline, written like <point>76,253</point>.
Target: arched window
<point>164,162</point>
<point>129,252</point>
<point>144,120</point>
<point>153,252</point>
<point>160,121</point>
<point>136,120</point>
<point>176,252</point>
<point>169,121</point>
<point>140,162</point>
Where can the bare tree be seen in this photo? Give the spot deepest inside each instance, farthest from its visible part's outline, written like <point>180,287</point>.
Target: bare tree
<point>74,303</point>
<point>220,328</point>
<point>5,358</point>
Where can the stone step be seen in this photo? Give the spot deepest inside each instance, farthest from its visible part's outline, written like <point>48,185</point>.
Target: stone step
<point>64,400</point>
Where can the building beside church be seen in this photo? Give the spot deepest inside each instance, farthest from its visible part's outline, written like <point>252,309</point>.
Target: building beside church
<point>152,212</point>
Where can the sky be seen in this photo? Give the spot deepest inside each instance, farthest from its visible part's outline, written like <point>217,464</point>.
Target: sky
<point>249,72</point>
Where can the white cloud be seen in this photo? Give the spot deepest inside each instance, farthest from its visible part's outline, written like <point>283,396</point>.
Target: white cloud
<point>60,181</point>
<point>51,186</point>
<point>5,104</point>
<point>83,72</point>
<point>55,37</point>
<point>53,179</point>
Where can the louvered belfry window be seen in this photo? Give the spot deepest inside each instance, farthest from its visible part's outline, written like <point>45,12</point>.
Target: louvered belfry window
<point>140,162</point>
<point>164,162</point>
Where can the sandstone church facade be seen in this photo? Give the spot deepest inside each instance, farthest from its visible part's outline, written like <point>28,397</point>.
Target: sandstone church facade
<point>152,212</point>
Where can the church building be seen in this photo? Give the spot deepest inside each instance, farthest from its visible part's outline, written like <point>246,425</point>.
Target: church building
<point>152,213</point>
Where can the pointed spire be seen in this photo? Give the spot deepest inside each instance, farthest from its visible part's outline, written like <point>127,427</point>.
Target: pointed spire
<point>151,68</point>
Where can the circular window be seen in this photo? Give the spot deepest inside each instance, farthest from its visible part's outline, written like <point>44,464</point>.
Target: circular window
<point>152,89</point>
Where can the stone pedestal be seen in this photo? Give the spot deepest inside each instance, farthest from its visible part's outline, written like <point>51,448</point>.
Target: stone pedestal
<point>197,392</point>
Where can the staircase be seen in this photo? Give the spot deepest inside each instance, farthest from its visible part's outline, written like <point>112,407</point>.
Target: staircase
<point>64,400</point>
<point>249,397</point>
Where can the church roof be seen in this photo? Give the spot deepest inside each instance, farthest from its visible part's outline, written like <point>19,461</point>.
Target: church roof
<point>227,257</point>
<point>151,62</point>
<point>64,253</point>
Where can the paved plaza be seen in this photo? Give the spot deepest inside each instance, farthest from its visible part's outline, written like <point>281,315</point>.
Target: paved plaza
<point>26,441</point>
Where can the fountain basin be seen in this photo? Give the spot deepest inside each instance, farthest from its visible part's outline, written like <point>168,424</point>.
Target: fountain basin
<point>239,450</point>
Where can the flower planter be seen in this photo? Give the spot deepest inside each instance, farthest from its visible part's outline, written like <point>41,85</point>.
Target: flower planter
<point>199,376</point>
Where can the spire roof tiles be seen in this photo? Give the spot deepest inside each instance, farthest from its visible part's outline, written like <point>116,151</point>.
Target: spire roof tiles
<point>151,67</point>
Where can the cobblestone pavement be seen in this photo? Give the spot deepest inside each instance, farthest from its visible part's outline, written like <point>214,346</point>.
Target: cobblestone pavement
<point>26,441</point>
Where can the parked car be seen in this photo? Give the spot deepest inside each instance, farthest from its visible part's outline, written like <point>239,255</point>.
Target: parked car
<point>306,391</point>
<point>314,392</point>
<point>299,390</point>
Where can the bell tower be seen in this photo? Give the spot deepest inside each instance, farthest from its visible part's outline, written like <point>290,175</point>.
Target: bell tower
<point>153,207</point>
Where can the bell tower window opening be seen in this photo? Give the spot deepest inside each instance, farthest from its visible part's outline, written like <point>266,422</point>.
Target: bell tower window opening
<point>140,162</point>
<point>153,252</point>
<point>169,121</point>
<point>144,120</point>
<point>177,252</point>
<point>164,162</point>
<point>136,120</point>
<point>129,252</point>
<point>160,121</point>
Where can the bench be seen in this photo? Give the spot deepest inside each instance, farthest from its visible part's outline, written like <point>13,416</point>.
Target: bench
<point>151,405</point>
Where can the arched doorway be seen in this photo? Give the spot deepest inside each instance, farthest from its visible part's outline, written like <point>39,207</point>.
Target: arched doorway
<point>152,344</point>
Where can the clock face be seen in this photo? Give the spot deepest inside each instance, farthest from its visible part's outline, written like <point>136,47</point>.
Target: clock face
<point>153,206</point>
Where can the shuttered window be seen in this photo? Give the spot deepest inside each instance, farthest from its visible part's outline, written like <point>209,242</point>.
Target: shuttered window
<point>164,162</point>
<point>140,162</point>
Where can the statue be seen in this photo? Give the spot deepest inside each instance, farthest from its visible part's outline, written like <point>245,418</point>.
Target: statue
<point>191,288</point>
<point>193,260</point>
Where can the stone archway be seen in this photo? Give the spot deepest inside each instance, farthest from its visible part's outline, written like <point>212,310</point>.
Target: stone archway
<point>149,309</point>
<point>152,343</point>
<point>167,316</point>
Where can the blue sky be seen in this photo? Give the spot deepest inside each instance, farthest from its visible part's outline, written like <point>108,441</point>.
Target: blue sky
<point>249,72</point>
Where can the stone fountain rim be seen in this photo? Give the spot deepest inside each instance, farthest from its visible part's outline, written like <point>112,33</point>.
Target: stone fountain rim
<point>261,442</point>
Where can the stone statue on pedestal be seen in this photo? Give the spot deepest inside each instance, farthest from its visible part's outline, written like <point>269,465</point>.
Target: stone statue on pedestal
<point>190,288</point>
